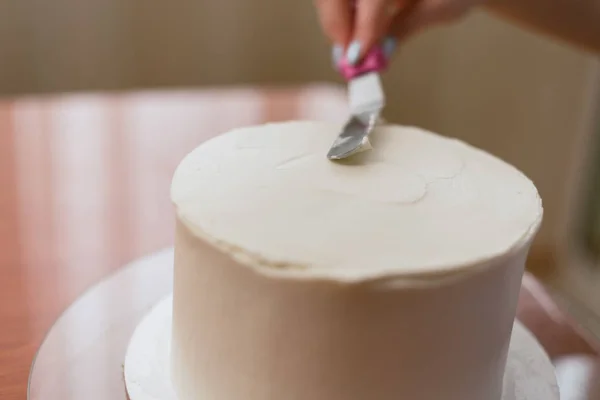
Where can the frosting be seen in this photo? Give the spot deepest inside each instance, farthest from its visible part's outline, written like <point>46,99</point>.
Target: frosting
<point>417,204</point>
<point>299,277</point>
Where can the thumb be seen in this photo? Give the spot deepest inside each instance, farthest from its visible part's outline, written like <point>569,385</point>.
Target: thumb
<point>372,21</point>
<point>335,17</point>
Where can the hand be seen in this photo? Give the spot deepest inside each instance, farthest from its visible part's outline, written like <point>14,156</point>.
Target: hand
<point>354,26</point>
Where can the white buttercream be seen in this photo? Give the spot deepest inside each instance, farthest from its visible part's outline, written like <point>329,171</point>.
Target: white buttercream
<point>418,203</point>
<point>299,277</point>
<point>529,373</point>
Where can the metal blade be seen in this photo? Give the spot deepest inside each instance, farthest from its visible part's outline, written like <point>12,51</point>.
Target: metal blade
<point>353,136</point>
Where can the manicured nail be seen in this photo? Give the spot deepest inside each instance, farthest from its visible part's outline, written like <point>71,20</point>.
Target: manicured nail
<point>389,45</point>
<point>337,52</point>
<point>353,52</point>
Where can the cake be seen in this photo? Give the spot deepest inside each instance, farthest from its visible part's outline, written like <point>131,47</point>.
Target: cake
<point>391,275</point>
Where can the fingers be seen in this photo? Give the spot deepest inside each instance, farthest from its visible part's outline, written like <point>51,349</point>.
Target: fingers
<point>355,26</point>
<point>372,20</point>
<point>336,21</point>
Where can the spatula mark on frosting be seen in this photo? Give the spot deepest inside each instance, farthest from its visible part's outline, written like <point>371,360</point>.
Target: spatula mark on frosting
<point>344,179</point>
<point>413,175</point>
<point>252,147</point>
<point>455,175</point>
<point>252,142</point>
<point>293,161</point>
<point>414,181</point>
<point>415,191</point>
<point>451,176</point>
<point>374,183</point>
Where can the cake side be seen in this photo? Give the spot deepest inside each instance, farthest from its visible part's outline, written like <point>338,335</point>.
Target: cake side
<point>268,197</point>
<point>238,333</point>
<point>300,278</point>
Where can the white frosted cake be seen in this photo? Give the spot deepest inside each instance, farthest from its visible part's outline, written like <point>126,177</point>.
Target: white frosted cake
<point>392,275</point>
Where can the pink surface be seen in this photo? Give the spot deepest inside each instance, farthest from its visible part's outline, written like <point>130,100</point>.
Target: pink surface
<point>374,61</point>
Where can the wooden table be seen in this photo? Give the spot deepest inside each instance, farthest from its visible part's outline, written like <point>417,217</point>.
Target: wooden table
<point>84,188</point>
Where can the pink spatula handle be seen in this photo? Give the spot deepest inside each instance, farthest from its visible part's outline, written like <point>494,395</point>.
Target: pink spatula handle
<point>374,61</point>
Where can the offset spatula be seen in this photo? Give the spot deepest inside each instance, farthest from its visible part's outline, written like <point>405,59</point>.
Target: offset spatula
<point>366,98</point>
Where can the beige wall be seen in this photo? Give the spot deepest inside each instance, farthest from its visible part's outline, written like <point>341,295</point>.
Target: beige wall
<point>520,96</point>
<point>526,99</point>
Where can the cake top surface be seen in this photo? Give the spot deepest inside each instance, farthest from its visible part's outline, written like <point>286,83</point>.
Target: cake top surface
<point>417,204</point>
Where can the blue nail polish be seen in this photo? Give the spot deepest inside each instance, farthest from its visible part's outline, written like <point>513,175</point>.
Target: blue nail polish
<point>337,52</point>
<point>389,45</point>
<point>353,52</point>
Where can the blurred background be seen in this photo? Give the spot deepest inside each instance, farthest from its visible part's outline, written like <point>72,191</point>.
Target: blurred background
<point>525,98</point>
<point>100,99</point>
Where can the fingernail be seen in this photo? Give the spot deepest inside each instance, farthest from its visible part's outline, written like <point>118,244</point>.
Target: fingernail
<point>389,45</point>
<point>353,52</point>
<point>337,52</point>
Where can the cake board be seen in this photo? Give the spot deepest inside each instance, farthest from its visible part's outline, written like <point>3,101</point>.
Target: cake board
<point>529,373</point>
<point>82,354</point>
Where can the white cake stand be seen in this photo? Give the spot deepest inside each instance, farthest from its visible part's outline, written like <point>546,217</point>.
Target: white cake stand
<point>529,374</point>
<point>83,354</point>
<point>81,357</point>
